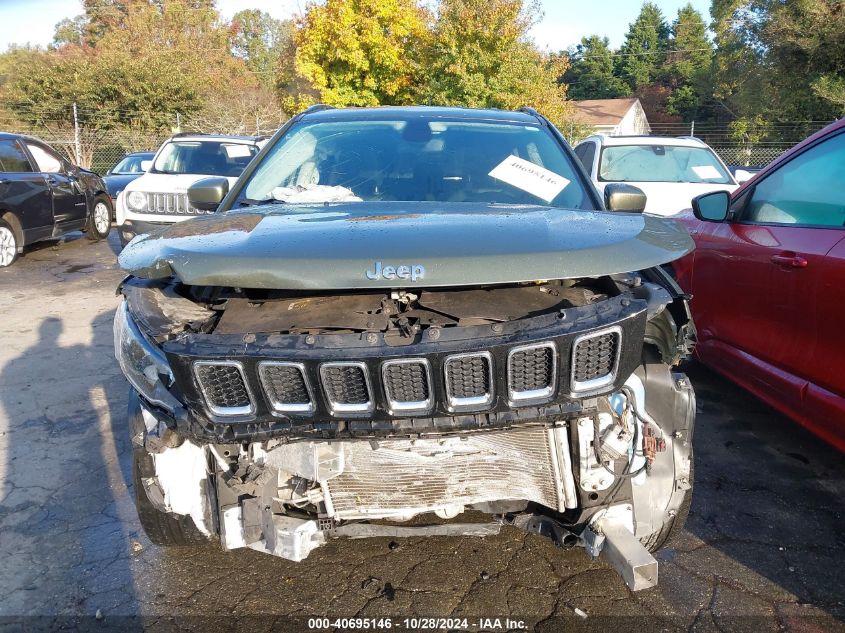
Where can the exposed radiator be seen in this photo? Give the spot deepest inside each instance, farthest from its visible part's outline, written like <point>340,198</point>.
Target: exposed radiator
<point>405,477</point>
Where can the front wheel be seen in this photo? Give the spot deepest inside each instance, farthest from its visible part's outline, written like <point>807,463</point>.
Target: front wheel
<point>99,222</point>
<point>8,245</point>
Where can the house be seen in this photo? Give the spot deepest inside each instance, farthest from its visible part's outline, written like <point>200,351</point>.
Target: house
<point>615,117</point>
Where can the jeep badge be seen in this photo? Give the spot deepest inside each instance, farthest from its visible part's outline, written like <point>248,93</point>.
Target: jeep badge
<point>412,272</point>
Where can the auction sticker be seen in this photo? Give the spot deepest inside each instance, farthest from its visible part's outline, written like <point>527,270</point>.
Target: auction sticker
<point>525,175</point>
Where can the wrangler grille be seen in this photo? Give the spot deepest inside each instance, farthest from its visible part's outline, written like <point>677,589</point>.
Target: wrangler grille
<point>171,204</point>
<point>224,387</point>
<point>532,371</point>
<point>407,384</point>
<point>594,359</point>
<point>469,380</point>
<point>347,387</point>
<point>286,387</point>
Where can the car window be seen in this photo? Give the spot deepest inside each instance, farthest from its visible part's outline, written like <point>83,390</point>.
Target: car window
<point>129,165</point>
<point>662,163</point>
<point>804,191</point>
<point>207,158</point>
<point>47,161</point>
<point>420,160</point>
<point>586,153</point>
<point>12,158</point>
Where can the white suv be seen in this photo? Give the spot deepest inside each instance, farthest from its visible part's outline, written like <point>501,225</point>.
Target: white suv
<point>159,197</point>
<point>671,171</point>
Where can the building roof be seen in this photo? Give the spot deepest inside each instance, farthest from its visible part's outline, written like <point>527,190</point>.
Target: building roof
<point>603,111</point>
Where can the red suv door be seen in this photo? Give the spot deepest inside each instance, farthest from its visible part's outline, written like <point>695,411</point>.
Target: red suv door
<point>759,281</point>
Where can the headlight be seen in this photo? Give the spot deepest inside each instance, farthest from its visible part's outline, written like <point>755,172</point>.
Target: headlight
<point>136,200</point>
<point>143,364</point>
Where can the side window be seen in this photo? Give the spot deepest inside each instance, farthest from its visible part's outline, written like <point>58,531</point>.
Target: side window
<point>805,191</point>
<point>48,162</point>
<point>12,158</point>
<point>586,153</point>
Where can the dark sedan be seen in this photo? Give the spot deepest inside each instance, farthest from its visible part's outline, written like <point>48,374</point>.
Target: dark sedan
<point>43,195</point>
<point>127,169</point>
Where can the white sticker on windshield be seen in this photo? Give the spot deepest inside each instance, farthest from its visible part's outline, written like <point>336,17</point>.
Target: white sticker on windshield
<point>236,151</point>
<point>529,177</point>
<point>706,171</point>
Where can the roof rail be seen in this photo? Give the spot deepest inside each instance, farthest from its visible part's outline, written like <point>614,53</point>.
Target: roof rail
<point>531,111</point>
<point>691,138</point>
<point>317,107</point>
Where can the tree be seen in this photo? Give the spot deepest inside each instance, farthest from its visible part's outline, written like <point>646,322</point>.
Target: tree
<point>641,55</point>
<point>590,75</point>
<point>362,52</point>
<point>259,39</point>
<point>70,31</point>
<point>688,64</point>
<point>481,56</point>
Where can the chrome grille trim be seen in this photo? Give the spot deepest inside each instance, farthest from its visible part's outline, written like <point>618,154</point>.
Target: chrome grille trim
<point>170,203</point>
<point>532,396</point>
<point>341,408</point>
<point>218,410</point>
<point>454,403</point>
<point>408,407</point>
<point>587,386</point>
<point>286,407</point>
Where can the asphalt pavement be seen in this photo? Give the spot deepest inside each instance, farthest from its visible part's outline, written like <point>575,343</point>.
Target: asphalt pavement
<point>763,549</point>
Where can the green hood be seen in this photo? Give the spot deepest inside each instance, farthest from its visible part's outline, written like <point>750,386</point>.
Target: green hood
<point>402,245</point>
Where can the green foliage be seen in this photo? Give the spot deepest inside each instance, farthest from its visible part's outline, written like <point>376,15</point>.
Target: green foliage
<point>643,51</point>
<point>480,56</point>
<point>591,74</point>
<point>362,52</point>
<point>259,39</point>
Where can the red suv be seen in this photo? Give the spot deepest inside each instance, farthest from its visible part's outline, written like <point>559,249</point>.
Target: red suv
<point>768,283</point>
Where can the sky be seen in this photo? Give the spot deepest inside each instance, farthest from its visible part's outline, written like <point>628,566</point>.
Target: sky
<point>564,22</point>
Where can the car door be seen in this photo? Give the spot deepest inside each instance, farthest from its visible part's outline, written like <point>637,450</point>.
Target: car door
<point>70,208</point>
<point>24,192</point>
<point>758,279</point>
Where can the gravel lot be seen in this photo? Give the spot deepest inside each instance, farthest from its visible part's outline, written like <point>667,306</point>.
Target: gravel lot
<point>764,547</point>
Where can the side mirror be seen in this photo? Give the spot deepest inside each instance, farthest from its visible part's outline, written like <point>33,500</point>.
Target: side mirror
<point>741,176</point>
<point>619,196</point>
<point>712,207</point>
<point>146,164</point>
<point>208,193</point>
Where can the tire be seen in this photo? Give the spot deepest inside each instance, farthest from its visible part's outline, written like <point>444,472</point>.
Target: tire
<point>671,528</point>
<point>8,245</point>
<point>99,220</point>
<point>162,528</point>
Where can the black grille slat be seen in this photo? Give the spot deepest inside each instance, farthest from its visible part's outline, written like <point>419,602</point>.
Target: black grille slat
<point>595,357</point>
<point>223,386</point>
<point>407,382</point>
<point>346,384</point>
<point>468,377</point>
<point>285,385</point>
<point>532,369</point>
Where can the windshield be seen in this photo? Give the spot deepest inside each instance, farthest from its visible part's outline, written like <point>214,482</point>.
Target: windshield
<point>130,165</point>
<point>207,158</point>
<point>417,160</point>
<point>661,163</point>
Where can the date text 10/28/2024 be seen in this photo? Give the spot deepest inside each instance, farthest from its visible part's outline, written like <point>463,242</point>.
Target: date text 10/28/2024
<point>416,624</point>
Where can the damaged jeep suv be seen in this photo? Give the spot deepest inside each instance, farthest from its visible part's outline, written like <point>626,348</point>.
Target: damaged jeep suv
<point>410,313</point>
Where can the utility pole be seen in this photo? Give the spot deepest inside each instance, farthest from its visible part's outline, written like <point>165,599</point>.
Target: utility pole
<point>178,123</point>
<point>692,128</point>
<point>77,143</point>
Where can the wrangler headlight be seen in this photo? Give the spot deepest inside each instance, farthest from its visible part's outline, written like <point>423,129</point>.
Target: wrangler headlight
<point>136,200</point>
<point>143,364</point>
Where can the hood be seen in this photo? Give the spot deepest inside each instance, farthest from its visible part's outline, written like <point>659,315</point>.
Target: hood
<point>115,183</point>
<point>170,183</point>
<point>669,198</point>
<point>402,245</point>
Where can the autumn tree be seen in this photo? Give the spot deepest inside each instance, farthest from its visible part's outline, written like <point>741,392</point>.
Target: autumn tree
<point>591,74</point>
<point>481,56</point>
<point>361,52</point>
